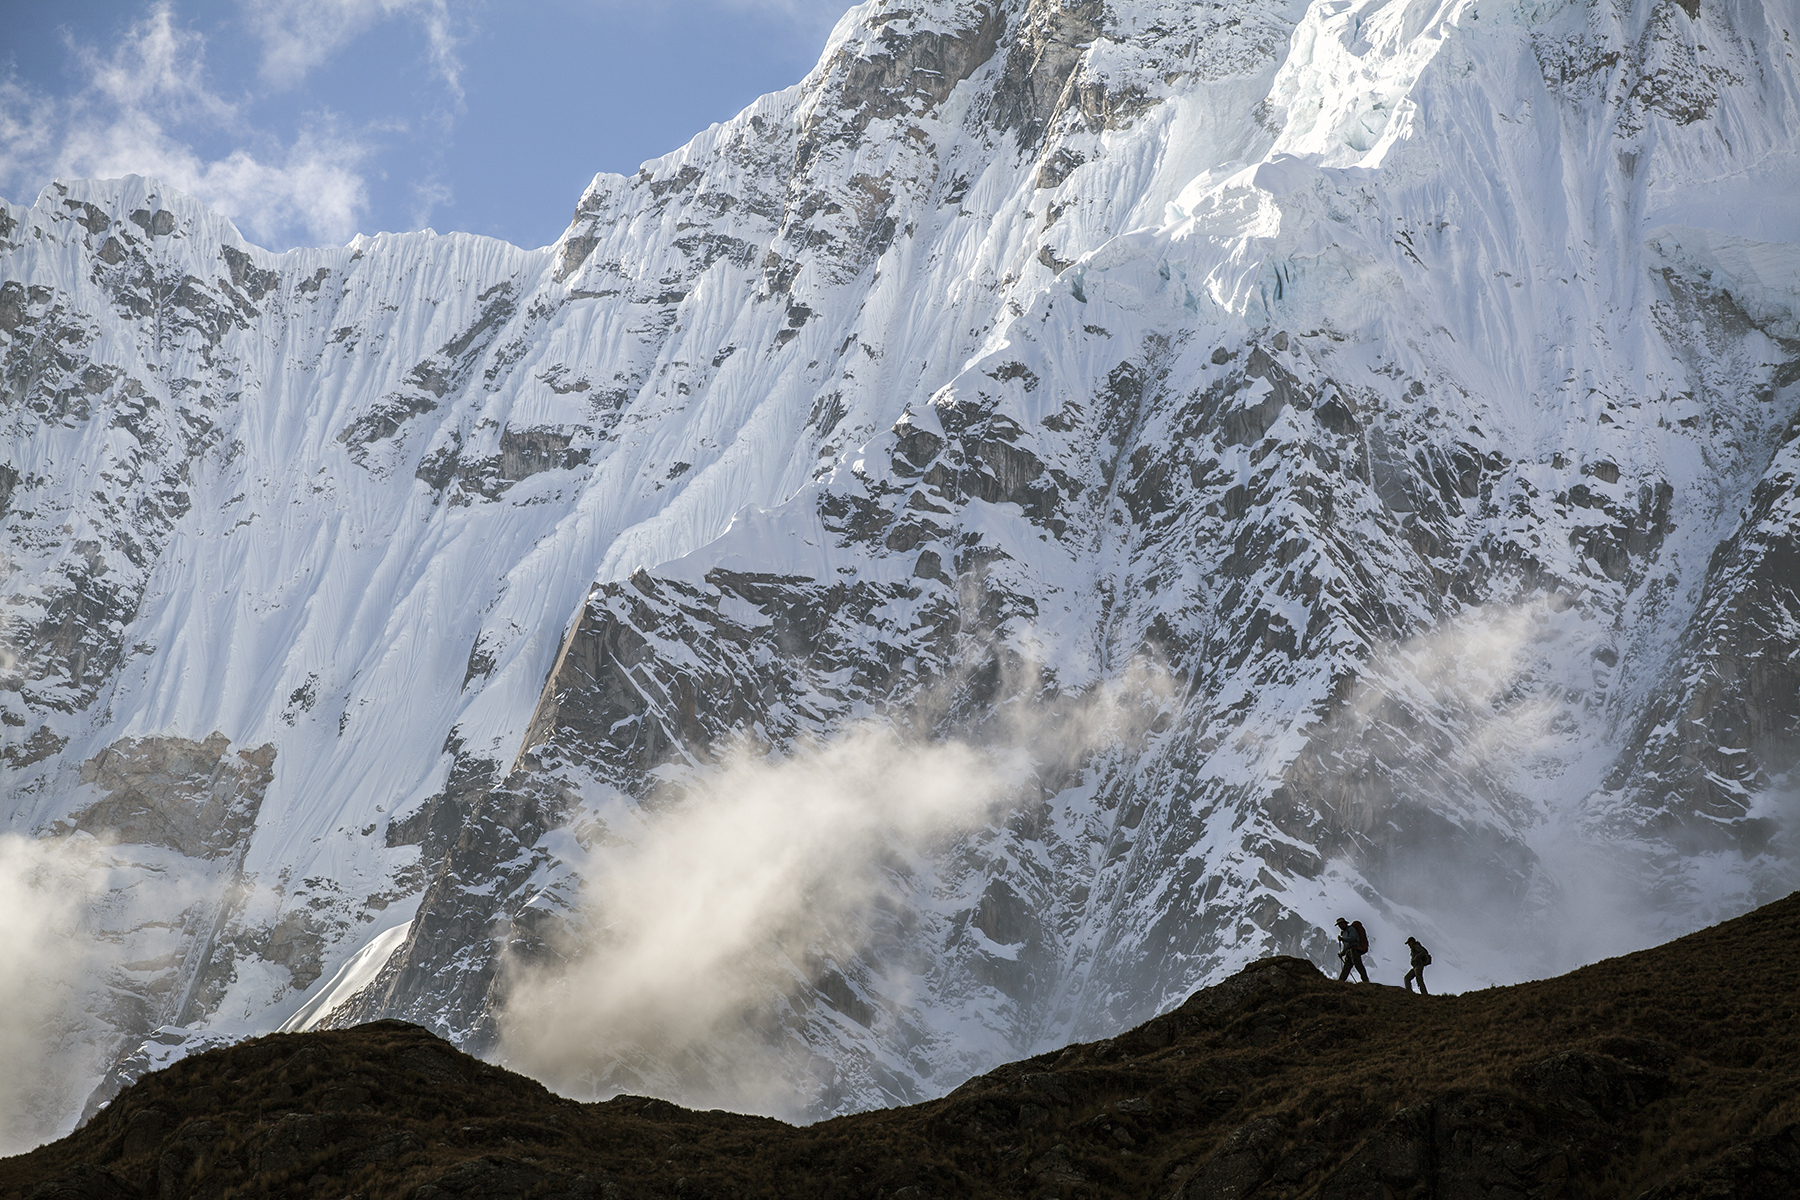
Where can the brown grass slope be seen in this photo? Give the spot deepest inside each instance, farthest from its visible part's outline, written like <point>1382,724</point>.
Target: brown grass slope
<point>1673,1073</point>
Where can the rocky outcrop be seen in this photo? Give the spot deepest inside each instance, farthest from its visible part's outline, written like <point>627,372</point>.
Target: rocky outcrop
<point>192,797</point>
<point>1728,722</point>
<point>1763,1166</point>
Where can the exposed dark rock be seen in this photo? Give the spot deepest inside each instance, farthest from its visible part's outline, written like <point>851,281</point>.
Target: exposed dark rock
<point>1240,1165</point>
<point>1766,1168</point>
<point>1596,1086</point>
<point>86,1183</point>
<point>190,796</point>
<point>255,281</point>
<point>1047,46</point>
<point>1464,1147</point>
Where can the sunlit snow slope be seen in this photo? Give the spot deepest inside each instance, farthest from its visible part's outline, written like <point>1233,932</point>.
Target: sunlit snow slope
<point>1342,458</point>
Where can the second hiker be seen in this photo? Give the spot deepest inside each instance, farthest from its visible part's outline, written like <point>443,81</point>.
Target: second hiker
<point>1421,958</point>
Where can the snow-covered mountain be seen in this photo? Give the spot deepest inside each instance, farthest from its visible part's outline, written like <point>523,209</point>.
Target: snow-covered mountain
<point>1070,497</point>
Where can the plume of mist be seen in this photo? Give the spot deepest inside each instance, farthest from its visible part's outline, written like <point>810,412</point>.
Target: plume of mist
<point>706,920</point>
<point>1497,722</point>
<point>701,925</point>
<point>1489,679</point>
<point>53,961</point>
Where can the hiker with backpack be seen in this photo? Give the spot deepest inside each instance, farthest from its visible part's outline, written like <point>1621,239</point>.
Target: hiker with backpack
<point>1353,943</point>
<point>1421,958</point>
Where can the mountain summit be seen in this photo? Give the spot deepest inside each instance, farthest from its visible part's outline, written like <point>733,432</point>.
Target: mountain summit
<point>1069,497</point>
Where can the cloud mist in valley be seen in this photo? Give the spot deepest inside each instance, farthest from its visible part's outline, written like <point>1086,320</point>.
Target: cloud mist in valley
<point>95,937</point>
<point>701,926</point>
<point>1504,722</point>
<point>706,917</point>
<point>54,967</point>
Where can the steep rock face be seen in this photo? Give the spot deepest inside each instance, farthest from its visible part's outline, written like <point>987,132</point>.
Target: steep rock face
<point>1348,451</point>
<point>1394,592</point>
<point>1722,735</point>
<point>188,796</point>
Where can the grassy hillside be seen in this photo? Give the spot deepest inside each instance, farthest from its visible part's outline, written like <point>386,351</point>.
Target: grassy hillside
<point>1670,1073</point>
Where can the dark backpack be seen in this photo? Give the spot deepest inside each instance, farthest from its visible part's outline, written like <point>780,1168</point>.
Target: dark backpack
<point>1424,957</point>
<point>1361,944</point>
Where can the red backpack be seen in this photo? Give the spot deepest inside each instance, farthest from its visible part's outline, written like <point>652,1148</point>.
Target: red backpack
<point>1362,937</point>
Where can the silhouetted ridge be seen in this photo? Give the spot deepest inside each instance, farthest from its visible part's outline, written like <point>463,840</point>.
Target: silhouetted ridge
<point>1666,1074</point>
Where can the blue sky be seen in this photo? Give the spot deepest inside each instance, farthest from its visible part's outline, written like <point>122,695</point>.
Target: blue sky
<point>308,121</point>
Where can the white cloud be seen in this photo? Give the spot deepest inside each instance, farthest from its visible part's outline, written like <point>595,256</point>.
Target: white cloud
<point>158,64</point>
<point>26,120</point>
<point>697,923</point>
<point>428,196</point>
<point>311,185</point>
<point>703,919</point>
<point>125,118</point>
<point>299,35</point>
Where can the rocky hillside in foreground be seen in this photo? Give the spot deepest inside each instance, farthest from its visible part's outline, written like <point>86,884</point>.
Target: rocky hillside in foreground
<point>1670,1074</point>
<point>1342,456</point>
